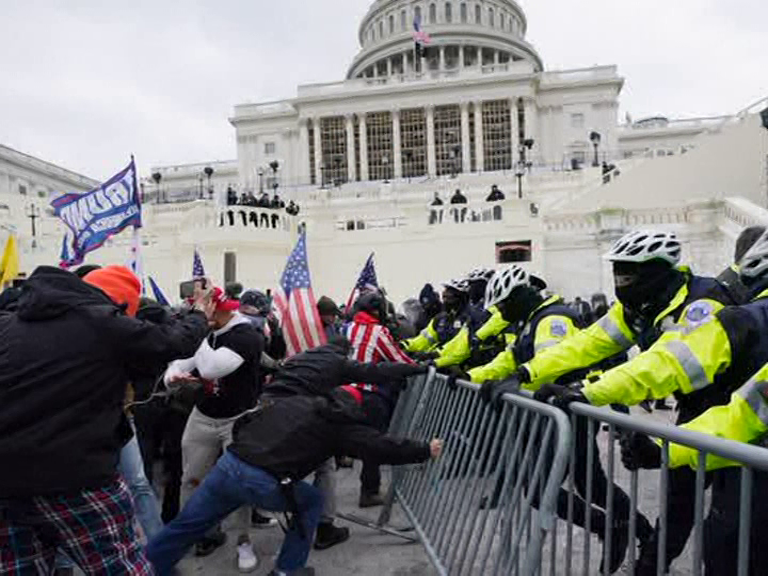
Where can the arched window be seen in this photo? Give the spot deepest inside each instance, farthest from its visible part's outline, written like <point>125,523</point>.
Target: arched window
<point>491,18</point>
<point>381,29</point>
<point>417,14</point>
<point>448,12</point>
<point>391,24</point>
<point>463,11</point>
<point>433,13</point>
<point>403,20</point>
<point>503,21</point>
<point>478,14</point>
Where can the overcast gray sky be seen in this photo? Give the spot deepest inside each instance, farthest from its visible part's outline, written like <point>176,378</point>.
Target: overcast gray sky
<point>84,83</point>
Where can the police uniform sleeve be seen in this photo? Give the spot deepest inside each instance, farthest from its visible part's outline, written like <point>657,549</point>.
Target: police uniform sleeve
<point>425,341</point>
<point>744,419</point>
<point>493,327</point>
<point>687,358</point>
<point>605,338</point>
<point>456,351</point>
<point>499,368</point>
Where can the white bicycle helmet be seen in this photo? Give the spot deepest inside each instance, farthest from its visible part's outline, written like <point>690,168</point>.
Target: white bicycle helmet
<point>458,284</point>
<point>481,275</point>
<point>503,283</point>
<point>755,262</point>
<point>646,245</point>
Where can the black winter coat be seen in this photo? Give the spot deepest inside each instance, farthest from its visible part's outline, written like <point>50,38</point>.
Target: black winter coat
<point>65,358</point>
<point>304,420</point>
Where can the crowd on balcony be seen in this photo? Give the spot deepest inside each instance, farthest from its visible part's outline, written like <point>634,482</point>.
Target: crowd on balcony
<point>263,201</point>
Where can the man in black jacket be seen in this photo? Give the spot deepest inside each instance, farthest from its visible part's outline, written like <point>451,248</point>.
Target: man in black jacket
<point>65,357</point>
<point>303,420</point>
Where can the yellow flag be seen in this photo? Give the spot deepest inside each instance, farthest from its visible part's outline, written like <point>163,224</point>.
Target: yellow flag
<point>9,265</point>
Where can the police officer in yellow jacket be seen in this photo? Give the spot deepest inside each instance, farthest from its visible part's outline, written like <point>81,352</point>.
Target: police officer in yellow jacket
<point>712,358</point>
<point>543,323</point>
<point>474,345</point>
<point>457,312</point>
<point>653,294</point>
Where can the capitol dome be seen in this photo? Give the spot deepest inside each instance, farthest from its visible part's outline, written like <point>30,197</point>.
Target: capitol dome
<point>464,34</point>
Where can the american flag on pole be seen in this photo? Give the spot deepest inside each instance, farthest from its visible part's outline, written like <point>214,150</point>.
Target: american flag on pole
<point>197,266</point>
<point>296,303</point>
<point>366,282</point>
<point>419,35</point>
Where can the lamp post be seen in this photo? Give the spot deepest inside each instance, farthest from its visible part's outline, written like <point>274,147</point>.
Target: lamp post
<point>595,138</point>
<point>33,213</point>
<point>200,181</point>
<point>157,177</point>
<point>408,163</point>
<point>261,180</point>
<point>209,172</point>
<point>274,166</point>
<point>523,165</point>
<point>385,165</point>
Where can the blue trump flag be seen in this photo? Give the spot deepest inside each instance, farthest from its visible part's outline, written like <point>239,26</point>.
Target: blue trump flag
<point>159,296</point>
<point>95,216</point>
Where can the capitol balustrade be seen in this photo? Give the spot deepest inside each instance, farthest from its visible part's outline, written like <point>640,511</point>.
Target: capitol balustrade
<point>255,218</point>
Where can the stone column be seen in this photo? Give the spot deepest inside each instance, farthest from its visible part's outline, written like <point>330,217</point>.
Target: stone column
<point>431,152</point>
<point>302,172</point>
<point>350,118</point>
<point>441,63</point>
<point>514,127</point>
<point>479,147</point>
<point>389,67</point>
<point>465,148</point>
<point>495,57</point>
<point>531,126</point>
<point>461,57</point>
<point>318,153</point>
<point>363,148</point>
<point>396,146</point>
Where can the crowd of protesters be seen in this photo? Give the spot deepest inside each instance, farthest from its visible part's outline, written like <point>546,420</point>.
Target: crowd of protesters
<point>107,399</point>
<point>263,201</point>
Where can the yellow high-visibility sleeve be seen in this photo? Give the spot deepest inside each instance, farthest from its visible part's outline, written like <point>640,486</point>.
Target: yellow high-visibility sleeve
<point>605,338</point>
<point>744,419</point>
<point>687,364</point>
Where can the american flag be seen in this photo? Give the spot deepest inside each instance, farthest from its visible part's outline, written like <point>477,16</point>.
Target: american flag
<point>197,266</point>
<point>419,35</point>
<point>366,282</point>
<point>296,303</point>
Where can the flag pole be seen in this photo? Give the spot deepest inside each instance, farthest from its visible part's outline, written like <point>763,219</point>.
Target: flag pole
<point>136,245</point>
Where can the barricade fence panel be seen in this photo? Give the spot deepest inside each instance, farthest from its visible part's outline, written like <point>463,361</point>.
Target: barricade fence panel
<point>530,490</point>
<point>487,506</point>
<point>675,528</point>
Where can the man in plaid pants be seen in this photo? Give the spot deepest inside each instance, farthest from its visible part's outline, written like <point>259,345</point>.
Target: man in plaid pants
<point>65,357</point>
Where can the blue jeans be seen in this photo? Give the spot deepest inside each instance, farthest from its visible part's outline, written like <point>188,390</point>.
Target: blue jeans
<point>231,484</point>
<point>131,468</point>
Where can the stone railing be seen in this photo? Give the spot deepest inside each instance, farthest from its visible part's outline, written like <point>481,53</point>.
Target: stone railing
<point>246,217</point>
<point>744,213</point>
<point>475,213</point>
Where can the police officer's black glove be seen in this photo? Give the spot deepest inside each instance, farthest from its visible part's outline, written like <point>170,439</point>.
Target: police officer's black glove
<point>561,396</point>
<point>454,373</point>
<point>638,451</point>
<point>492,391</point>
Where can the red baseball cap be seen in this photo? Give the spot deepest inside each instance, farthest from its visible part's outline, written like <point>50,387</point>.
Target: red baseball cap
<point>223,302</point>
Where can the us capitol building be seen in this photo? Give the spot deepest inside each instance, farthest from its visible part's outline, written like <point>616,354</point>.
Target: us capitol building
<point>364,158</point>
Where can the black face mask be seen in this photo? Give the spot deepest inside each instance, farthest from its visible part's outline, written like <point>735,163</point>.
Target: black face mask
<point>650,292</point>
<point>477,291</point>
<point>520,304</point>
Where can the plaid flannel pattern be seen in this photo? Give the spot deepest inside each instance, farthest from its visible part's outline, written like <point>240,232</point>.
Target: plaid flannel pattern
<point>94,528</point>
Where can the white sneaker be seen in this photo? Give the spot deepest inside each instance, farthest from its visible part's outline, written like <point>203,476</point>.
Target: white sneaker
<point>247,561</point>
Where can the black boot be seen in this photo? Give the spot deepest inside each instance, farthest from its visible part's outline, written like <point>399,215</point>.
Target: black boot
<point>209,544</point>
<point>329,535</point>
<point>619,543</point>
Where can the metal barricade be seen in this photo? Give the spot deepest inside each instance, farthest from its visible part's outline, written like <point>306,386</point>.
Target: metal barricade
<point>610,499</point>
<point>487,506</point>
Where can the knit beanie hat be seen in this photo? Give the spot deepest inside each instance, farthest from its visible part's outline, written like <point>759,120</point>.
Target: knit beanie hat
<point>120,284</point>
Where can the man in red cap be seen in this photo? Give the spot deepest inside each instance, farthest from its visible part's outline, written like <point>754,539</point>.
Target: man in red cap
<point>65,358</point>
<point>226,366</point>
